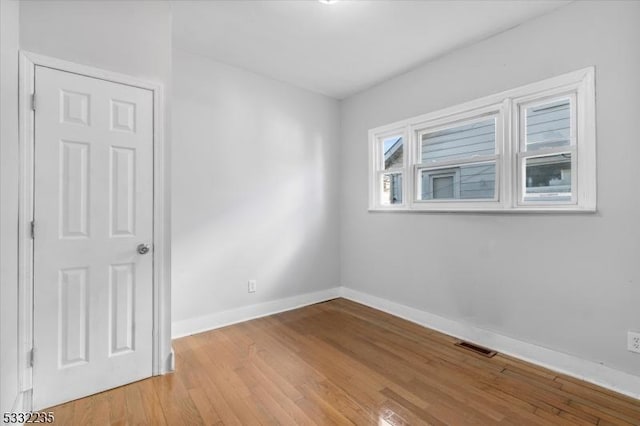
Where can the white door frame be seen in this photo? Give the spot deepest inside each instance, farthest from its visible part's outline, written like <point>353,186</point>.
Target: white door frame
<point>163,360</point>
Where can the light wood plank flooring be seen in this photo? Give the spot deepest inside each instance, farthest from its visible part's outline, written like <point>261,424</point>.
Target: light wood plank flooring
<point>339,362</point>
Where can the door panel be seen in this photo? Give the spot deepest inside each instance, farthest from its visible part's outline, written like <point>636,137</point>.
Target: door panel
<point>93,205</point>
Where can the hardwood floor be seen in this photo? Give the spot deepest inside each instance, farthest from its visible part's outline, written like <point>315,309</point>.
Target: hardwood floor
<point>339,362</point>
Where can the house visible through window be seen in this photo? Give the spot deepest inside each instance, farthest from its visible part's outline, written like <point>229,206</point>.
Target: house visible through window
<point>464,144</point>
<point>530,148</point>
<point>393,158</point>
<point>550,133</point>
<point>442,187</point>
<point>392,149</point>
<point>392,152</point>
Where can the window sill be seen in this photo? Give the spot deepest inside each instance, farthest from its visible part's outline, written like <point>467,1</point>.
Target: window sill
<point>492,210</point>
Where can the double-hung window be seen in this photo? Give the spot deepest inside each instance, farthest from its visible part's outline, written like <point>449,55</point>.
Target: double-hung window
<point>457,159</point>
<point>527,149</point>
<point>389,169</point>
<point>547,151</point>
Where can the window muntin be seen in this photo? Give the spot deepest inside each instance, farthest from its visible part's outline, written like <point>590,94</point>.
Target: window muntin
<point>471,181</point>
<point>543,158</point>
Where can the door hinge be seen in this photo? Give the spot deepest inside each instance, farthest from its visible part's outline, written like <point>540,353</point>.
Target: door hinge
<point>31,357</point>
<point>33,229</point>
<point>33,101</point>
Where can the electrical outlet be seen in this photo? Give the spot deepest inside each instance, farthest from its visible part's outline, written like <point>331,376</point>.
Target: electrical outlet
<point>252,286</point>
<point>633,341</point>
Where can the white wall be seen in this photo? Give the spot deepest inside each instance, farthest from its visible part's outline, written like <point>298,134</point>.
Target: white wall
<point>568,282</point>
<point>132,37</point>
<point>128,37</point>
<point>255,187</point>
<point>9,18</point>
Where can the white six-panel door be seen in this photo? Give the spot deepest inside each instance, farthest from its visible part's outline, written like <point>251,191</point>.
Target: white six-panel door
<point>93,207</point>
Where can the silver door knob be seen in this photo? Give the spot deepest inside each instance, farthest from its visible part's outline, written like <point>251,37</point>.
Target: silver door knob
<point>143,248</point>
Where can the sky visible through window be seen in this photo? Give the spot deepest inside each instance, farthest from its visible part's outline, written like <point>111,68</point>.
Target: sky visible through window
<point>389,142</point>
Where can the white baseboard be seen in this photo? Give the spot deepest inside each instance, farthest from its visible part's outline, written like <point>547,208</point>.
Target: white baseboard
<point>245,313</point>
<point>169,364</point>
<point>19,404</point>
<point>570,365</point>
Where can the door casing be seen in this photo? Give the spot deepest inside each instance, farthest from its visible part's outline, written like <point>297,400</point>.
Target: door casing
<point>163,359</point>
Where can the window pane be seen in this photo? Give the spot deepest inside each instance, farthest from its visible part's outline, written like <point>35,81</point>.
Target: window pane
<point>393,152</point>
<point>465,182</point>
<point>391,189</point>
<point>549,125</point>
<point>477,138</point>
<point>548,178</point>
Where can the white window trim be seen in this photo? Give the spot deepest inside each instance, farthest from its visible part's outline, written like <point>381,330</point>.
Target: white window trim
<point>509,153</point>
<point>377,170</point>
<point>520,106</point>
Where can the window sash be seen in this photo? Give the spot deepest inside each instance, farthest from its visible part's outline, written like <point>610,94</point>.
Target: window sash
<point>487,159</point>
<point>521,159</point>
<point>378,165</point>
<point>522,118</point>
<point>524,152</point>
<point>379,178</point>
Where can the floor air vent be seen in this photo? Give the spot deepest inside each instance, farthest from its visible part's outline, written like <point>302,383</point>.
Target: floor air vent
<point>477,349</point>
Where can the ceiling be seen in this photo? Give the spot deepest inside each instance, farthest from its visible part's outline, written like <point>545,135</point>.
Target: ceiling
<point>341,48</point>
